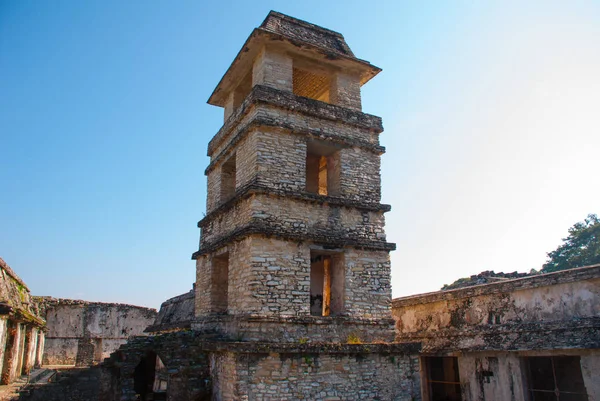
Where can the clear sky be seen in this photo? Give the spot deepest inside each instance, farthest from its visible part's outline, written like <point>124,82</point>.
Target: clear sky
<point>491,110</point>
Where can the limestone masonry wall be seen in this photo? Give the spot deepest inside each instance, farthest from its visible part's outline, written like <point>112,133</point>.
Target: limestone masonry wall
<point>315,376</point>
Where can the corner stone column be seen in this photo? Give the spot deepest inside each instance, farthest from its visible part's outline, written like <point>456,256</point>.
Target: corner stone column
<point>30,345</point>
<point>274,69</point>
<point>39,353</point>
<point>345,91</point>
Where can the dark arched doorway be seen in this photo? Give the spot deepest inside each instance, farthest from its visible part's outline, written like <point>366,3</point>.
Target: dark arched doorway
<point>150,378</point>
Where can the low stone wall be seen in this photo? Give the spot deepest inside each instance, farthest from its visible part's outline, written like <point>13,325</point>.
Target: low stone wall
<point>220,370</point>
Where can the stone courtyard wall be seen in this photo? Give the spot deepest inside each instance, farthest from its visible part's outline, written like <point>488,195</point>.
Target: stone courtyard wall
<point>89,331</point>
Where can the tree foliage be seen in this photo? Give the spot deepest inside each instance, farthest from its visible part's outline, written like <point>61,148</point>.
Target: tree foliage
<point>580,248</point>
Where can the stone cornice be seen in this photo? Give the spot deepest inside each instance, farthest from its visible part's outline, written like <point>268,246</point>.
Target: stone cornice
<point>255,188</point>
<point>281,124</point>
<point>289,101</point>
<point>256,228</point>
<point>540,280</point>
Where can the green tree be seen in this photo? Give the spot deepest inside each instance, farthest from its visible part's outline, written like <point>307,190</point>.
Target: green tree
<point>580,248</point>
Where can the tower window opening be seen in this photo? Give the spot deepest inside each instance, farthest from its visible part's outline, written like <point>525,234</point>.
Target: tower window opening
<point>228,173</point>
<point>322,170</point>
<point>220,283</point>
<point>326,285</point>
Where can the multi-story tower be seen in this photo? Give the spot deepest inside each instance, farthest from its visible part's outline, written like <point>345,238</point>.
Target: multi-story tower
<point>293,243</point>
<point>293,270</point>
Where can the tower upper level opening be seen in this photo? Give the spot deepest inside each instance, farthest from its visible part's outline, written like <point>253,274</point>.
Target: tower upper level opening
<point>295,56</point>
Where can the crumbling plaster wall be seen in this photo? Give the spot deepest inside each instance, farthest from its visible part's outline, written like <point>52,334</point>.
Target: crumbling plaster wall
<point>491,377</point>
<point>490,328</point>
<point>549,301</point>
<point>106,325</point>
<point>499,376</point>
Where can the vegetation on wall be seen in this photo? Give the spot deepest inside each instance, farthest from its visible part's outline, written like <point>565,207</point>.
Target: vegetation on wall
<point>580,248</point>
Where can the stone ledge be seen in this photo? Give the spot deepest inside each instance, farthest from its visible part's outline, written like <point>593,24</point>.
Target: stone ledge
<point>157,328</point>
<point>578,333</point>
<point>205,344</point>
<point>318,320</point>
<point>541,280</point>
<point>264,230</point>
<point>299,104</point>
<point>255,188</point>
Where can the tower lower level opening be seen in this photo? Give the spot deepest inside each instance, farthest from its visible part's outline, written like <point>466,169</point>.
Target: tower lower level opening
<point>220,283</point>
<point>326,284</point>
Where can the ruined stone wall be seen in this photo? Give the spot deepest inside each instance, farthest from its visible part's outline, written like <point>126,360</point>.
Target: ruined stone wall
<point>93,328</point>
<point>562,297</point>
<point>493,328</point>
<point>176,313</point>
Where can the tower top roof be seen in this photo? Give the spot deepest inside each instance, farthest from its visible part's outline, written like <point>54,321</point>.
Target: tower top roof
<point>303,31</point>
<point>301,37</point>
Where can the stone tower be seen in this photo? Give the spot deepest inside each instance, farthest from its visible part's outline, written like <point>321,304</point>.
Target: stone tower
<point>293,244</point>
<point>292,296</point>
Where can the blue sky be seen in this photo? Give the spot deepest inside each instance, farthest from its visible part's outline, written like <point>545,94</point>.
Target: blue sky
<point>490,110</point>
